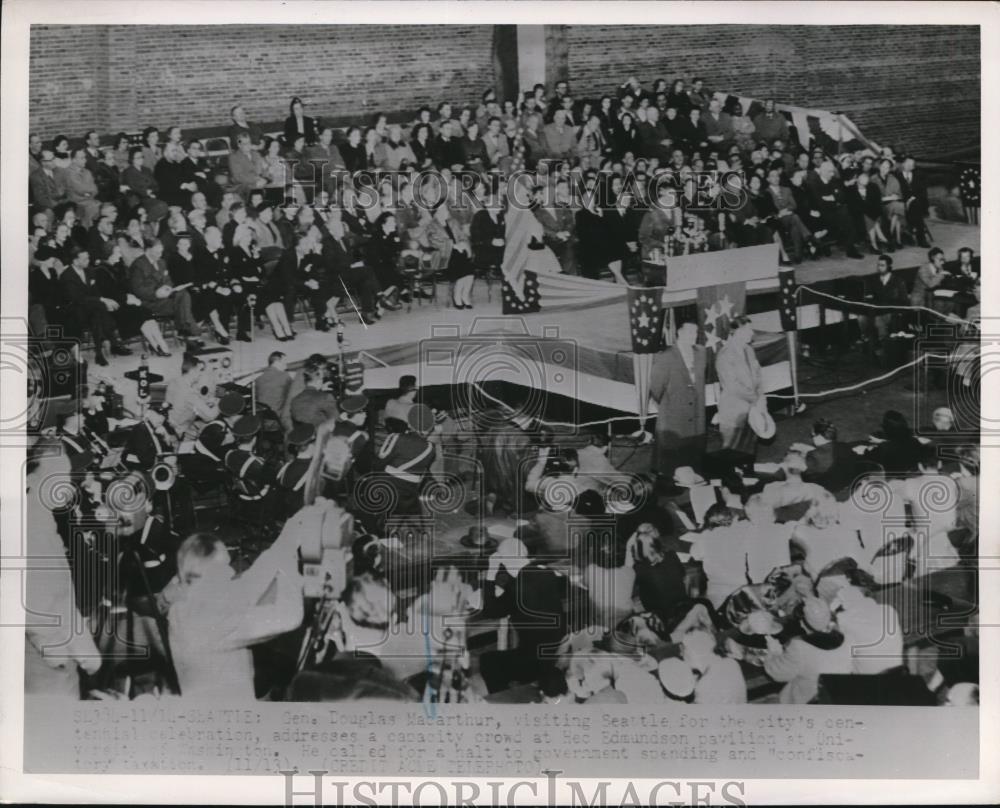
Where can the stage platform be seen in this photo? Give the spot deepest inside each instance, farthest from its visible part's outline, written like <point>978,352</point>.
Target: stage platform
<point>601,329</point>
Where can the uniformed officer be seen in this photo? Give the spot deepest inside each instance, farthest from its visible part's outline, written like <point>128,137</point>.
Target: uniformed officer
<point>291,477</point>
<point>253,477</point>
<point>397,408</point>
<point>74,439</point>
<point>406,458</point>
<point>350,425</point>
<point>150,439</point>
<point>206,463</point>
<point>147,547</point>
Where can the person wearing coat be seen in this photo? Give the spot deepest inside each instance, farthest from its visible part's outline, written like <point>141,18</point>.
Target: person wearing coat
<point>142,186</point>
<point>247,169</point>
<point>677,385</point>
<point>742,387</point>
<point>298,124</point>
<point>81,189</point>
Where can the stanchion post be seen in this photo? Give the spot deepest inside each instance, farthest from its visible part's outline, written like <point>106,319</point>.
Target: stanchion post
<point>793,360</point>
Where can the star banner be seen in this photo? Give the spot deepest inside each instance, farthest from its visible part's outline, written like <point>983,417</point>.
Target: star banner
<point>717,305</point>
<point>788,305</point>
<point>645,317</point>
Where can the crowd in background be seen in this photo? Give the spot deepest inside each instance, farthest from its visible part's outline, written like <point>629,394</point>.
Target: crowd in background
<point>706,581</point>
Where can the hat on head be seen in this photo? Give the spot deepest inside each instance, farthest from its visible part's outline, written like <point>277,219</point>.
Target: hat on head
<point>676,677</point>
<point>160,405</point>
<point>761,423</point>
<point>687,477</point>
<point>420,418</point>
<point>354,404</point>
<point>231,404</point>
<point>64,406</point>
<point>302,434</point>
<point>816,614</point>
<point>247,426</point>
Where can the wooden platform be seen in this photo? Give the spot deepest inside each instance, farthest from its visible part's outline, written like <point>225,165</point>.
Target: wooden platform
<point>604,326</point>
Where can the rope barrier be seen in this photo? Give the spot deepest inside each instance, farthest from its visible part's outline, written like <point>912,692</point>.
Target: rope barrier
<point>952,318</point>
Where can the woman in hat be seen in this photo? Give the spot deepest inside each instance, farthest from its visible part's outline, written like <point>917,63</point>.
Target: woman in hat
<point>741,387</point>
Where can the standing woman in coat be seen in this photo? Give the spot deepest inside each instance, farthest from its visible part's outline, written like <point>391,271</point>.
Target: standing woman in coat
<point>742,387</point>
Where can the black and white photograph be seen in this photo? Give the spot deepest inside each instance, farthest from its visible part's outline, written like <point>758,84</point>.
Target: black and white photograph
<point>440,396</point>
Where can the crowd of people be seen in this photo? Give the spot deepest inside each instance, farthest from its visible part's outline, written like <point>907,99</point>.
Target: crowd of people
<point>157,233</point>
<point>717,575</point>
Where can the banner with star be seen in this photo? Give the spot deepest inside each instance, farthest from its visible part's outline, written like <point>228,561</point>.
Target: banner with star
<point>558,291</point>
<point>788,305</point>
<point>717,306</point>
<point>645,314</point>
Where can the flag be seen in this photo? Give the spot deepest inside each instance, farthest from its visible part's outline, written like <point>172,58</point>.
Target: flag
<point>788,299</point>
<point>717,306</point>
<point>645,315</point>
<point>512,304</point>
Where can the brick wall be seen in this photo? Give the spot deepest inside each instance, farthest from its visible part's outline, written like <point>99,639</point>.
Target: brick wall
<point>916,87</point>
<point>128,77</point>
<point>913,86</point>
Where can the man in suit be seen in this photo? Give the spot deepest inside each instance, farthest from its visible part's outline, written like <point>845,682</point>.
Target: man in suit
<point>246,167</point>
<point>326,159</point>
<point>81,189</point>
<point>658,221</point>
<point>87,309</point>
<point>770,125</point>
<point>271,386</point>
<point>150,282</point>
<point>241,126</point>
<point>928,278</point>
<point>826,195</point>
<point>886,289</point>
<point>46,186</point>
<point>677,385</point>
<point>346,269</point>
<point>560,137</point>
<point>622,234</point>
<point>914,193</point>
<point>100,239</point>
<point>718,125</point>
<point>652,133</point>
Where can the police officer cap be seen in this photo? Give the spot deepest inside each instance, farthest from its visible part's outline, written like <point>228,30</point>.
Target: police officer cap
<point>420,418</point>
<point>161,405</point>
<point>354,404</point>
<point>231,404</point>
<point>302,434</point>
<point>247,425</point>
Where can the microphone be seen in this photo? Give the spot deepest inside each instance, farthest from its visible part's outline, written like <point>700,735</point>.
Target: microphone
<point>340,333</point>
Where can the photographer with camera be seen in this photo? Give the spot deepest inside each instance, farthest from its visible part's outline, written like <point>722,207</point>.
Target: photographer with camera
<point>55,651</point>
<point>191,398</point>
<point>555,476</point>
<point>216,618</point>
